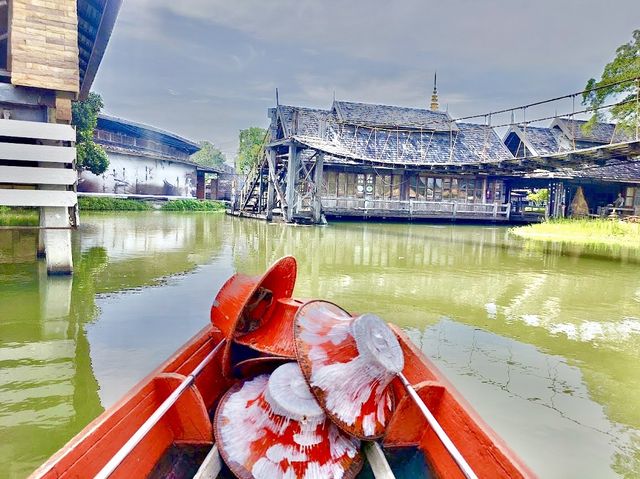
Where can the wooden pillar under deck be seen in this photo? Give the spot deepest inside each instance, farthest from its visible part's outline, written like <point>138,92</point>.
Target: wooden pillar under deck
<point>292,173</point>
<point>317,194</point>
<point>271,191</point>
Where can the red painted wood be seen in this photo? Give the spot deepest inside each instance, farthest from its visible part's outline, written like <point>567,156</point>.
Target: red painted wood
<point>188,417</point>
<point>400,431</point>
<point>85,454</point>
<point>485,452</point>
<point>91,449</point>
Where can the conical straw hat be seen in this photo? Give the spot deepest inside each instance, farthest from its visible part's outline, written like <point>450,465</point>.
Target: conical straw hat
<point>349,364</point>
<point>271,427</point>
<point>275,334</point>
<point>244,301</point>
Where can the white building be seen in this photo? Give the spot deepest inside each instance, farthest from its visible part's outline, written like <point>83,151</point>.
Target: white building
<point>144,160</point>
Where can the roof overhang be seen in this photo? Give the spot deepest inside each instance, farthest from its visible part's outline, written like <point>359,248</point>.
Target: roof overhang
<point>139,130</point>
<point>96,19</point>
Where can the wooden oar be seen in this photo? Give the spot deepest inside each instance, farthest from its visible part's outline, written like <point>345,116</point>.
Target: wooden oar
<point>135,439</point>
<point>433,422</point>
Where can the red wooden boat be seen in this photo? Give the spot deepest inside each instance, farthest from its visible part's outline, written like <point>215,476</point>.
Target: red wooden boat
<point>164,426</point>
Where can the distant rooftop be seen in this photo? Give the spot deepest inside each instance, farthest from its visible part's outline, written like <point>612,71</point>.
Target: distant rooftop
<point>148,132</point>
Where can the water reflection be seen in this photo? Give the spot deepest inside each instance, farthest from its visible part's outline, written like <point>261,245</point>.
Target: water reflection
<point>582,309</point>
<point>48,388</point>
<point>546,398</point>
<point>542,340</point>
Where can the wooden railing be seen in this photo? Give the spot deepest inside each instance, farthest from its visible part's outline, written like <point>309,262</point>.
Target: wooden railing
<point>414,208</point>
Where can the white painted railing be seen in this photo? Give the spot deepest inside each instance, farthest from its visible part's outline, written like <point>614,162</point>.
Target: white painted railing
<point>39,174</point>
<point>414,208</point>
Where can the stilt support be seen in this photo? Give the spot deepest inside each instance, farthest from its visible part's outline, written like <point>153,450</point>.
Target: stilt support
<point>55,237</point>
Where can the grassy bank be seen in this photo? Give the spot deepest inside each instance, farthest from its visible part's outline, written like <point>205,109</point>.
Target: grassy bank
<point>583,231</point>
<point>93,203</point>
<point>18,216</point>
<point>193,205</point>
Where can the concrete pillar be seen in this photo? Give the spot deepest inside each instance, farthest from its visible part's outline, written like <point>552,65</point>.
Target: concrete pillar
<point>57,241</point>
<point>40,253</point>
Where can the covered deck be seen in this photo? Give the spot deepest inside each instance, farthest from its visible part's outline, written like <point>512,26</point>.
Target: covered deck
<point>414,209</point>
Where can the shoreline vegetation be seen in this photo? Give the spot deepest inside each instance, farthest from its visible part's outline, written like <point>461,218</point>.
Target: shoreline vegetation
<point>10,216</point>
<point>19,216</point>
<point>595,232</point>
<point>90,203</point>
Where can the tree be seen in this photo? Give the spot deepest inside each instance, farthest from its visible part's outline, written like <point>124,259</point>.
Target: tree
<point>625,66</point>
<point>539,197</point>
<point>89,155</point>
<point>250,149</point>
<point>208,155</point>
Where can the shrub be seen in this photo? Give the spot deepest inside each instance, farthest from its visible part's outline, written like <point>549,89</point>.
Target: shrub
<point>193,205</point>
<point>93,203</point>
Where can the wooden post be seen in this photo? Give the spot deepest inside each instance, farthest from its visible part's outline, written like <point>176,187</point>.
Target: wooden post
<point>317,192</point>
<point>271,155</point>
<point>261,187</point>
<point>200,185</point>
<point>292,173</point>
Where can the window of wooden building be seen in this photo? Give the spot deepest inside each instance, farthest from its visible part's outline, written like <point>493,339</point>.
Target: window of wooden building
<point>632,197</point>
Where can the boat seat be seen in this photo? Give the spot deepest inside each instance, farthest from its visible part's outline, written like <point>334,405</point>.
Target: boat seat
<point>211,465</point>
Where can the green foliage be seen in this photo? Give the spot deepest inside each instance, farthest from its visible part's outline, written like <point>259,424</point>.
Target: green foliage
<point>625,66</point>
<point>93,203</point>
<point>18,216</point>
<point>208,155</point>
<point>250,149</point>
<point>90,156</point>
<point>193,205</point>
<point>539,196</point>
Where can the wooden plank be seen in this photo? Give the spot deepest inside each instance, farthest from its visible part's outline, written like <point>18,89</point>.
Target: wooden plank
<point>37,198</point>
<point>37,130</point>
<point>210,467</point>
<point>377,460</point>
<point>44,153</point>
<point>37,176</point>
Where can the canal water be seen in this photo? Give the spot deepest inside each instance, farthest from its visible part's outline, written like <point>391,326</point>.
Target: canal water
<point>543,341</point>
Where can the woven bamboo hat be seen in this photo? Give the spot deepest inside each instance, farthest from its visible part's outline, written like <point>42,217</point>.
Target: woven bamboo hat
<point>272,427</point>
<point>245,302</point>
<point>349,363</point>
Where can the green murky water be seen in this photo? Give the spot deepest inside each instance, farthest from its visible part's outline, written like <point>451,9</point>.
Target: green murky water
<point>543,341</point>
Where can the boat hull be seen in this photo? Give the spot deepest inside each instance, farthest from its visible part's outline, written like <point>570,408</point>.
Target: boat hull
<point>188,422</point>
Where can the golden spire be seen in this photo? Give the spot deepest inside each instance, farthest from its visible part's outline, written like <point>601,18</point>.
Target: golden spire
<point>434,95</point>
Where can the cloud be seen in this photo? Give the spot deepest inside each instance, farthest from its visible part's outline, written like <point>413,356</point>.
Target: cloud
<point>206,68</point>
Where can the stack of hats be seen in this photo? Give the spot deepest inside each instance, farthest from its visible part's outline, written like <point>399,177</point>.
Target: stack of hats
<point>288,419</point>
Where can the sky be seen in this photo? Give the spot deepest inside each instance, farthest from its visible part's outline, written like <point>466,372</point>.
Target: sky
<point>205,69</point>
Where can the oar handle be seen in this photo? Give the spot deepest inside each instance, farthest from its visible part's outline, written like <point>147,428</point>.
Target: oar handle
<point>433,422</point>
<point>135,439</point>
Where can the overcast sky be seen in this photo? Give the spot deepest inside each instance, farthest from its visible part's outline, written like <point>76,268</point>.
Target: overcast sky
<point>206,68</point>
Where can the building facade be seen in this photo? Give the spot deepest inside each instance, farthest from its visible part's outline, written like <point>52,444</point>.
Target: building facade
<point>601,186</point>
<point>49,55</point>
<point>366,160</point>
<point>144,161</point>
